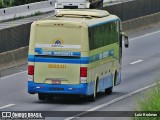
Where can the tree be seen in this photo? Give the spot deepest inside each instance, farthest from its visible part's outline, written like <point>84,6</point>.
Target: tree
<point>18,2</point>
<point>1,6</point>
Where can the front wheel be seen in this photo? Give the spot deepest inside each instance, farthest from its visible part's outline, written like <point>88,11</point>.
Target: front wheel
<point>109,91</point>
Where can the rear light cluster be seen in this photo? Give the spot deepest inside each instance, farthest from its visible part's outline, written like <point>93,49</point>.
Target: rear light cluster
<point>83,72</point>
<point>30,72</point>
<point>83,75</point>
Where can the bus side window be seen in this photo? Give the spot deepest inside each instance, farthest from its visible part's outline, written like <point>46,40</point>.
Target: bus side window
<point>120,36</point>
<point>109,33</point>
<point>106,34</point>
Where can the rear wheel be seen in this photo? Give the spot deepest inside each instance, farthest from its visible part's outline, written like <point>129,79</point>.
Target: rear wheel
<point>49,98</point>
<point>41,96</point>
<point>108,91</point>
<point>92,97</point>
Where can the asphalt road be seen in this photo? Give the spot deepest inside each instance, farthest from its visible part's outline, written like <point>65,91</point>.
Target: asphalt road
<point>141,66</point>
<point>8,24</point>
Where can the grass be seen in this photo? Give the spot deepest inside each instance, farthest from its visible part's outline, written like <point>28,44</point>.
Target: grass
<point>36,13</point>
<point>19,17</point>
<point>150,102</point>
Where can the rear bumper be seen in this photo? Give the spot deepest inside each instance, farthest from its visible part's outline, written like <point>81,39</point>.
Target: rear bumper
<point>78,89</point>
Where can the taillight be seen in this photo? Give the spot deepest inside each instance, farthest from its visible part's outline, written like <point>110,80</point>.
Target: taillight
<point>83,72</point>
<point>30,70</point>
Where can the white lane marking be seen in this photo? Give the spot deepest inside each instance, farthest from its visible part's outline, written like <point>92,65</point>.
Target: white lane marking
<point>13,75</point>
<point>135,62</point>
<point>144,35</point>
<point>6,106</point>
<point>113,101</point>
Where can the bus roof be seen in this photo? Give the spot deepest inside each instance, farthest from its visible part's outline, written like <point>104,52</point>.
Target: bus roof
<point>91,17</point>
<point>86,12</point>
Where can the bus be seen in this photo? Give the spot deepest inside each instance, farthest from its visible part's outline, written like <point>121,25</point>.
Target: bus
<point>78,52</point>
<point>78,4</point>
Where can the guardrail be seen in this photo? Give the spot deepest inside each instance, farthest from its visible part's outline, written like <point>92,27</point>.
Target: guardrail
<point>37,8</point>
<point>134,8</point>
<point>13,58</point>
<point>26,10</point>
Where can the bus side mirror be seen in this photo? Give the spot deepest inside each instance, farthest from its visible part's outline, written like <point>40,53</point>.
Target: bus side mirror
<point>126,41</point>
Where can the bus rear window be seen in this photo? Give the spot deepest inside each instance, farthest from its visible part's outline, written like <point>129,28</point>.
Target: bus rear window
<point>65,37</point>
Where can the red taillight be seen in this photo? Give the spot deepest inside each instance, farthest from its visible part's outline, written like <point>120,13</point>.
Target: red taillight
<point>83,72</point>
<point>30,70</point>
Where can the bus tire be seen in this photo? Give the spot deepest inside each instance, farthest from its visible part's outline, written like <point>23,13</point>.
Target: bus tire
<point>115,78</point>
<point>49,98</point>
<point>108,91</point>
<point>92,97</point>
<point>41,96</point>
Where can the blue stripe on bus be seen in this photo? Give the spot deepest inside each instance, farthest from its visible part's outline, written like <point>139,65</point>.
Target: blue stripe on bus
<point>38,50</point>
<point>101,56</point>
<point>81,89</point>
<point>30,58</point>
<point>82,60</point>
<point>104,22</point>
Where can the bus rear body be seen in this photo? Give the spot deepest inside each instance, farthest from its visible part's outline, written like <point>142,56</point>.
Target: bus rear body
<point>57,58</point>
<point>75,55</point>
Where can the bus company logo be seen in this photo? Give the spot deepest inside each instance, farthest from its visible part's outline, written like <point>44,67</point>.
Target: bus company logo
<point>57,42</point>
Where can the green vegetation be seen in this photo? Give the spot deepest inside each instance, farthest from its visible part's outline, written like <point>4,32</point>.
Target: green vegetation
<point>19,17</point>
<point>10,3</point>
<point>36,13</point>
<point>1,5</point>
<point>150,102</point>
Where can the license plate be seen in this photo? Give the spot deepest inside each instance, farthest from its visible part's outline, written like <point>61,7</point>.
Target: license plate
<point>57,66</point>
<point>55,89</point>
